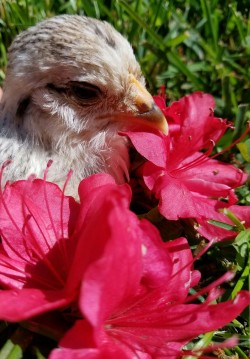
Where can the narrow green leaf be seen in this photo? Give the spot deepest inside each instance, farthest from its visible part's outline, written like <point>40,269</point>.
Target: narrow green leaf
<point>16,353</point>
<point>239,225</point>
<point>239,24</point>
<point>242,245</point>
<point>223,225</point>
<point>240,120</point>
<point>158,40</point>
<point>240,283</point>
<point>244,148</point>
<point>177,40</point>
<point>174,59</point>
<point>206,47</point>
<point>6,349</point>
<point>38,354</point>
<point>240,352</point>
<point>201,344</point>
<point>211,26</point>
<point>157,12</point>
<point>16,344</point>
<point>244,71</point>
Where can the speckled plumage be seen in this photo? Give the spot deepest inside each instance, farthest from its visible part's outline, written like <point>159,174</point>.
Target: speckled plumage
<point>44,114</point>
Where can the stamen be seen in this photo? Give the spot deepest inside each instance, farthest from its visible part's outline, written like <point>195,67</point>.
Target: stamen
<point>61,243</point>
<point>34,251</point>
<point>49,163</point>
<point>224,278</point>
<point>46,198</point>
<point>162,92</point>
<point>205,156</point>
<point>199,160</point>
<point>58,240</point>
<point>69,175</point>
<point>37,249</point>
<point>17,253</point>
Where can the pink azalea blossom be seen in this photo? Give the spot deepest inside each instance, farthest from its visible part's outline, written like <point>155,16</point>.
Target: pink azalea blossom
<point>135,302</point>
<point>36,224</point>
<point>126,291</point>
<point>40,229</point>
<point>183,178</point>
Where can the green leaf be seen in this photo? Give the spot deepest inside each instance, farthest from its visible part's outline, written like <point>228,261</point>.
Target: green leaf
<point>241,246</point>
<point>10,351</point>
<point>172,56</point>
<point>16,344</point>
<point>240,120</point>
<point>158,40</point>
<point>239,225</point>
<point>211,26</point>
<point>38,354</point>
<point>240,352</point>
<point>173,42</point>
<point>201,344</point>
<point>244,148</point>
<point>223,225</point>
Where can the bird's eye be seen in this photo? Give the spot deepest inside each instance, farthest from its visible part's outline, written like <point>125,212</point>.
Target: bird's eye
<point>84,92</point>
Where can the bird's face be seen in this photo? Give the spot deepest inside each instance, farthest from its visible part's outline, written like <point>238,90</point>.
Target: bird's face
<point>72,83</point>
<point>79,74</point>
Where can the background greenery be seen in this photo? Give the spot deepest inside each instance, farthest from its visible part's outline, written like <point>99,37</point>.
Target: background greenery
<point>187,46</point>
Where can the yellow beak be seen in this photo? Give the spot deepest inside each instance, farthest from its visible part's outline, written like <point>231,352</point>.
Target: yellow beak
<point>147,111</point>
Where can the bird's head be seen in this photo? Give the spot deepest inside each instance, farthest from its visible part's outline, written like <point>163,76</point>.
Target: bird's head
<point>74,77</point>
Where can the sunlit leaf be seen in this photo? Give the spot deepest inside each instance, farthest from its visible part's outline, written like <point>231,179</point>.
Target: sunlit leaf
<point>244,148</point>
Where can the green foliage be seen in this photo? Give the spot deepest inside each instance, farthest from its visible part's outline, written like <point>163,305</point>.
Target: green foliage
<point>244,148</point>
<point>187,45</point>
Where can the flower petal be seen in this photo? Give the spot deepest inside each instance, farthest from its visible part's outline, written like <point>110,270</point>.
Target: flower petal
<point>157,263</point>
<point>151,145</point>
<point>182,271</point>
<point>198,126</point>
<point>115,268</point>
<point>95,225</point>
<point>74,345</point>
<point>95,189</point>
<point>37,223</point>
<point>172,192</point>
<point>18,305</point>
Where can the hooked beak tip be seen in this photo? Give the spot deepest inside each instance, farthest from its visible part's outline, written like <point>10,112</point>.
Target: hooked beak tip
<point>146,108</point>
<point>154,118</point>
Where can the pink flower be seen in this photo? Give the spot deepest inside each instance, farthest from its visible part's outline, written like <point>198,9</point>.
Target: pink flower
<point>135,298</point>
<point>183,178</point>
<point>125,291</point>
<point>41,229</point>
<point>36,226</point>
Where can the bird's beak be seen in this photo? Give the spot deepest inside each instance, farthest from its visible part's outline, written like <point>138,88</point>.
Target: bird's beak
<point>147,112</point>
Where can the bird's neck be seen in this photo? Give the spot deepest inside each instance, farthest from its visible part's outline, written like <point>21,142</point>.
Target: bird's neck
<point>30,142</point>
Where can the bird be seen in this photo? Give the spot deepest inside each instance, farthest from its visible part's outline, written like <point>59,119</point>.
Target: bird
<point>72,84</point>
